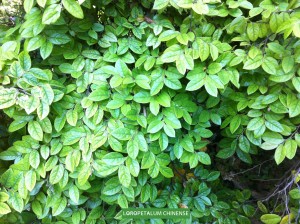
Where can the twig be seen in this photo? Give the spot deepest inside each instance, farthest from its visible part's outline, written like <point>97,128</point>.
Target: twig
<point>288,182</point>
<point>252,168</point>
<point>266,180</point>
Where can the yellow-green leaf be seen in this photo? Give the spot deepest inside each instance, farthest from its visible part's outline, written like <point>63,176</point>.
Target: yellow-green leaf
<point>73,8</point>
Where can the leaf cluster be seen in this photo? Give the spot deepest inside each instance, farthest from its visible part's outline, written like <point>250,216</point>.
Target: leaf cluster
<point>111,100</point>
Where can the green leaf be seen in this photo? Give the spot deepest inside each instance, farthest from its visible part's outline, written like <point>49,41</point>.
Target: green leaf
<point>35,43</point>
<point>35,130</point>
<point>213,176</point>
<point>270,218</point>
<point>143,145</point>
<point>166,171</point>
<point>294,108</point>
<point>184,62</point>
<point>73,8</point>
<point>122,201</point>
<point>172,53</point>
<point>145,193</point>
<point>262,207</point>
<point>274,126</point>
<point>148,160</point>
<point>72,117</point>
<point>72,136</point>
<point>183,38</point>
<point>42,3</point>
<point>245,157</point>
<point>200,8</point>
<point>3,196</point>
<point>7,97</point>
<point>172,83</point>
<point>255,123</point>
<point>168,35</point>
<point>37,208</point>
<point>253,31</point>
<point>169,131</point>
<point>46,49</point>
<point>244,144</point>
<point>142,97</point>
<point>122,133</point>
<point>51,14</point>
<point>156,86</point>
<point>114,159</point>
<point>56,174</point>
<point>74,193</point>
<point>17,202</point>
<point>143,81</point>
<point>28,4</point>
<point>149,63</point>
<point>249,210</point>
<point>154,107</point>
<point>235,123</point>
<point>270,65</point>
<point>105,170</point>
<point>134,166</point>
<point>132,148</point>
<point>186,4</point>
<point>41,74</point>
<point>124,176</point>
<point>23,192</point>
<point>34,159</point>
<point>197,81</point>
<point>296,83</point>
<point>4,209</point>
<point>280,153</point>
<point>211,85</point>
<point>155,126</point>
<point>160,4</point>
<point>290,147</point>
<point>59,38</point>
<point>214,52</point>
<point>98,141</point>
<point>215,118</point>
<point>288,64</point>
<point>187,144</point>
<point>203,48</point>
<point>99,94</point>
<point>47,93</point>
<point>25,60</point>
<point>178,150</point>
<point>112,189</point>
<point>251,64</point>
<point>92,54</point>
<point>59,206</point>
<point>30,180</point>
<point>204,158</point>
<point>110,37</point>
<point>295,193</point>
<point>84,174</point>
<point>276,47</point>
<point>43,110</point>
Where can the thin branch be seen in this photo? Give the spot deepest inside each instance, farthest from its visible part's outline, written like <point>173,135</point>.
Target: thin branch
<point>252,168</point>
<point>287,183</point>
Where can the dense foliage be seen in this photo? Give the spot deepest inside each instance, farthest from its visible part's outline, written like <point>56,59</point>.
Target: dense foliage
<point>112,104</point>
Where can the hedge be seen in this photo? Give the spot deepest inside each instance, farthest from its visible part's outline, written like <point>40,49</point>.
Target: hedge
<point>112,104</point>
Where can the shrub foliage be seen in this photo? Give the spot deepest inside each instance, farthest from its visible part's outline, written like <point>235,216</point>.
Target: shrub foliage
<point>112,104</point>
